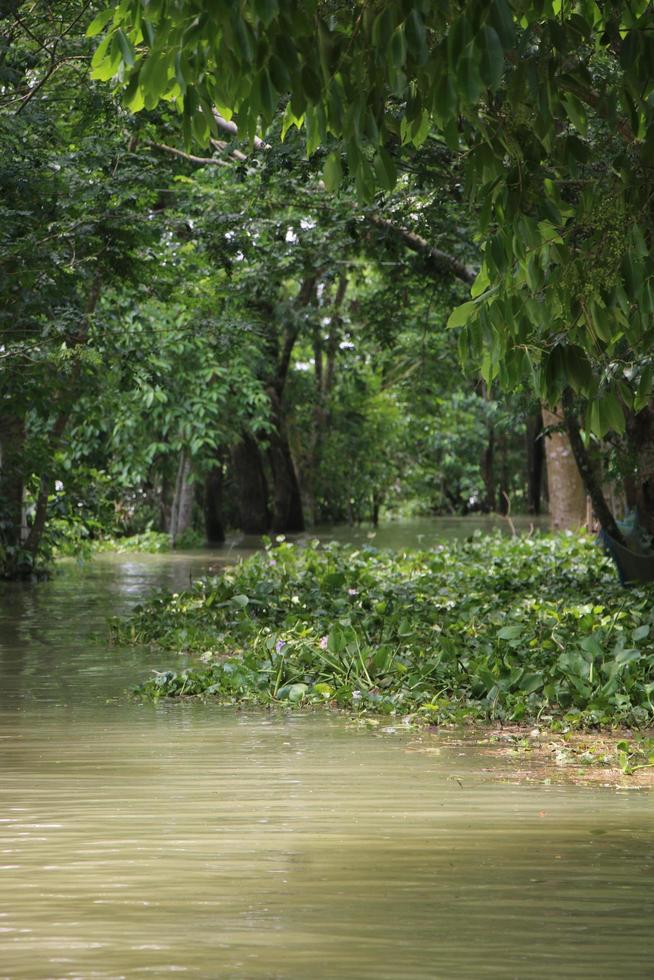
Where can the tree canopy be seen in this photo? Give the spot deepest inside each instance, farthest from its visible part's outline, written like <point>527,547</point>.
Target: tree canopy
<point>547,105</point>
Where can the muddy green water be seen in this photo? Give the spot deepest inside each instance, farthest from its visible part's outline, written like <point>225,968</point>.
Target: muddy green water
<point>149,840</point>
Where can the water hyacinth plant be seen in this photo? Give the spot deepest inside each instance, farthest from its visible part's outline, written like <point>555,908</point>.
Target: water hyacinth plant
<point>491,628</point>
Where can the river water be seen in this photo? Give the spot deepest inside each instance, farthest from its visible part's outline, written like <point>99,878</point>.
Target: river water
<point>187,838</point>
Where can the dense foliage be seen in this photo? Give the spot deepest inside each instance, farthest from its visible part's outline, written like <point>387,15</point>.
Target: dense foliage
<point>550,103</point>
<point>544,113</point>
<point>515,629</point>
<point>189,340</point>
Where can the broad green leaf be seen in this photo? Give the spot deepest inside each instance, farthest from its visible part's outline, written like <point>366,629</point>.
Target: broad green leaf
<point>492,57</point>
<point>510,632</point>
<point>126,47</point>
<point>332,172</point>
<point>385,169</point>
<point>461,314</point>
<point>99,22</point>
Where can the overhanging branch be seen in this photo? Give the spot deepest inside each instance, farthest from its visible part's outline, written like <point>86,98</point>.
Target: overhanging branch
<point>438,263</point>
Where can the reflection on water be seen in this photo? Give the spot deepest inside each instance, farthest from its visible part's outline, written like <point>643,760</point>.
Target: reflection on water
<point>139,839</point>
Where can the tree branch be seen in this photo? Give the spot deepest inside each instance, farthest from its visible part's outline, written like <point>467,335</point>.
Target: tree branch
<point>438,263</point>
<point>190,157</point>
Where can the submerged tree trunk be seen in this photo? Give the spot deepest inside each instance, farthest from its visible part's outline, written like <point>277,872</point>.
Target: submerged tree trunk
<point>181,516</point>
<point>12,480</point>
<point>535,459</point>
<point>252,487</point>
<point>214,528</point>
<point>566,491</point>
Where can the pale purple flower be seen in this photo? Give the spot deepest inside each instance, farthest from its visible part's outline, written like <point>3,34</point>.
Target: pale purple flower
<point>324,640</point>
<point>352,592</point>
<point>356,695</point>
<point>279,646</point>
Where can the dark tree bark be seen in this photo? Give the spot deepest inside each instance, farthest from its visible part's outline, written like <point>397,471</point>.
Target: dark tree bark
<point>181,515</point>
<point>12,479</point>
<point>488,471</point>
<point>287,498</point>
<point>535,458</point>
<point>436,263</point>
<point>324,359</point>
<point>591,482</point>
<point>214,528</point>
<point>640,485</point>
<point>252,487</point>
<point>504,504</point>
<point>487,461</point>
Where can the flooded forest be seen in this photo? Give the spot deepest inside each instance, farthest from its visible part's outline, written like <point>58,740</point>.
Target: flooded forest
<point>326,489</point>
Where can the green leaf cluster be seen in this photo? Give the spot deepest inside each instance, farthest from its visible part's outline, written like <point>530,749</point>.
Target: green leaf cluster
<point>496,628</point>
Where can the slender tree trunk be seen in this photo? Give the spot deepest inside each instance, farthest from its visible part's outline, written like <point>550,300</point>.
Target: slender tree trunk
<point>324,370</point>
<point>181,516</point>
<point>376,506</point>
<point>504,504</point>
<point>566,491</point>
<point>535,459</point>
<point>591,481</point>
<point>488,471</point>
<point>487,461</point>
<point>640,485</point>
<point>287,498</point>
<point>12,485</point>
<point>317,429</point>
<point>165,502</point>
<point>252,487</point>
<point>214,528</point>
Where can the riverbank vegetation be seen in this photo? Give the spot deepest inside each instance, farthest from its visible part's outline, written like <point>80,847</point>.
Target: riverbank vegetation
<point>323,289</point>
<point>320,287</point>
<point>532,629</point>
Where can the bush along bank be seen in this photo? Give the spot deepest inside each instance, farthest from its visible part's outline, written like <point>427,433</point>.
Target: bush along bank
<point>518,629</point>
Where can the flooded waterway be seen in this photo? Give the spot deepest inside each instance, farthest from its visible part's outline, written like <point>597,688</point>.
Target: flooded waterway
<point>140,839</point>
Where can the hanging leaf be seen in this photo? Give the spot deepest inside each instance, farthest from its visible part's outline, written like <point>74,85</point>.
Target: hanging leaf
<point>99,22</point>
<point>491,65</point>
<point>461,314</point>
<point>332,172</point>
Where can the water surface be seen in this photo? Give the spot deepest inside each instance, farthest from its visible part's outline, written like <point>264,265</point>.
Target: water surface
<point>139,839</point>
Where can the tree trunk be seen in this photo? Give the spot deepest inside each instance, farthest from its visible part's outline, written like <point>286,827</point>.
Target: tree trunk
<point>591,480</point>
<point>287,499</point>
<point>214,528</point>
<point>324,359</point>
<point>252,486</point>
<point>566,491</point>
<point>640,434</point>
<point>488,471</point>
<point>504,505</point>
<point>181,516</point>
<point>12,478</point>
<point>535,459</point>
<point>377,501</point>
